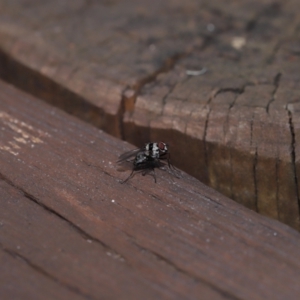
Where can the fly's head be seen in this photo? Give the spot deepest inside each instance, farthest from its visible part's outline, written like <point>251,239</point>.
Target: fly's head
<point>163,147</point>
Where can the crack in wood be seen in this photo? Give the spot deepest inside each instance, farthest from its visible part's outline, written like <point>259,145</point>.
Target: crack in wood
<point>277,185</point>
<point>204,137</point>
<point>230,89</point>
<point>122,111</point>
<point>255,161</point>
<point>251,129</point>
<point>174,267</point>
<point>43,272</point>
<point>276,83</point>
<point>180,270</point>
<point>127,105</point>
<point>80,231</point>
<point>164,99</point>
<point>255,180</point>
<point>158,256</point>
<point>167,66</point>
<point>269,10</point>
<point>293,153</point>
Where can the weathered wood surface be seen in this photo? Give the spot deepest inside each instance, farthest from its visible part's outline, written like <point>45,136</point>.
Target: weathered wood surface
<point>122,65</point>
<point>58,219</point>
<point>70,230</point>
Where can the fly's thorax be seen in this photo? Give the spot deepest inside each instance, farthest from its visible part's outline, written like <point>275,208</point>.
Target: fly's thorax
<point>155,150</point>
<point>140,158</point>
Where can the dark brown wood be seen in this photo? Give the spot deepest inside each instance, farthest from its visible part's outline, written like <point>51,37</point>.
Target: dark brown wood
<point>128,67</point>
<point>20,279</point>
<point>70,230</point>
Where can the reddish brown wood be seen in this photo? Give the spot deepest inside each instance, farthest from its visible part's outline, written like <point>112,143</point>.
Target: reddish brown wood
<point>122,66</point>
<point>20,279</point>
<point>69,228</point>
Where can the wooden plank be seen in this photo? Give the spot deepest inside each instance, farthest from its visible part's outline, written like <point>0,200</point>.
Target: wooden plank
<point>128,67</point>
<point>20,279</point>
<point>63,253</point>
<point>66,216</point>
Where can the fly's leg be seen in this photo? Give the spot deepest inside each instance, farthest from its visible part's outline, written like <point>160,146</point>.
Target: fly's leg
<point>130,176</point>
<point>148,172</point>
<point>144,172</point>
<point>168,159</point>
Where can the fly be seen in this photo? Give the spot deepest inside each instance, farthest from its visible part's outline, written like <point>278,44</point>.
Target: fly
<point>146,159</point>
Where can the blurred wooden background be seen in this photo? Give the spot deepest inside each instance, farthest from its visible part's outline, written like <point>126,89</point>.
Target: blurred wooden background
<point>218,81</point>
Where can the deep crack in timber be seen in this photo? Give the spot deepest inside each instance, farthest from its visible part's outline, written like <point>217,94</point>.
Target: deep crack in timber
<point>44,273</point>
<point>293,153</point>
<point>83,233</point>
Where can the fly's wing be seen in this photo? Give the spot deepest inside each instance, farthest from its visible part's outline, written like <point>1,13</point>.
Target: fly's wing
<point>128,155</point>
<point>125,161</point>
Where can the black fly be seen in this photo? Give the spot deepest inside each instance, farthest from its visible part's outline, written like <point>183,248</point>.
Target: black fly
<point>146,159</point>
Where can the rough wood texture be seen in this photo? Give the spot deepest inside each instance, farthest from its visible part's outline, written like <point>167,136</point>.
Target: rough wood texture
<point>70,230</point>
<point>122,65</point>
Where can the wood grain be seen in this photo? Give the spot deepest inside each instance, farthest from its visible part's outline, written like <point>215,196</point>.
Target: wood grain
<point>70,230</point>
<point>125,66</point>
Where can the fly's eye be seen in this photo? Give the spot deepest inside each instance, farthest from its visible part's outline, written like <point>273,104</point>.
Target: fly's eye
<point>162,146</point>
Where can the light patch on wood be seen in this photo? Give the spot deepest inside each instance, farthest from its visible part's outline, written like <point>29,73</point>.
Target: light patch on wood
<point>8,149</point>
<point>14,145</point>
<point>238,42</point>
<point>25,134</point>
<point>20,140</point>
